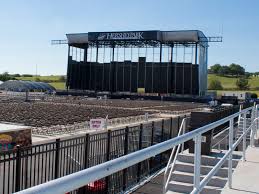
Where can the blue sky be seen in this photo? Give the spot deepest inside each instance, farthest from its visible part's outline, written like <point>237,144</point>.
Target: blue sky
<point>28,26</point>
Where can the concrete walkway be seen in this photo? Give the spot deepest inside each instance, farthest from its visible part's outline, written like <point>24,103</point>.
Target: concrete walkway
<point>246,175</point>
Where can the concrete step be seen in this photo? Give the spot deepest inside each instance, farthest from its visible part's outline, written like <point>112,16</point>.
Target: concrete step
<point>185,177</point>
<point>189,168</point>
<point>175,187</point>
<point>150,188</point>
<point>206,160</point>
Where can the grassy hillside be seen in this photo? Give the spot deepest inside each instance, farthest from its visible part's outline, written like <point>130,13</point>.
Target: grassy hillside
<point>229,83</point>
<point>58,85</point>
<point>51,78</point>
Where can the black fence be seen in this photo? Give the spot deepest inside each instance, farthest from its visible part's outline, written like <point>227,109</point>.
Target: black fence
<point>128,76</point>
<point>25,167</point>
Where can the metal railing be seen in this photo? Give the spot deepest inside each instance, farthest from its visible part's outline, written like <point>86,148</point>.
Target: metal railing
<point>84,177</point>
<point>170,166</point>
<point>224,140</point>
<point>47,161</point>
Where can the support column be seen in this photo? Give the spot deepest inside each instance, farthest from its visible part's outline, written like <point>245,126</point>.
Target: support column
<point>196,63</point>
<point>175,72</point>
<point>111,71</point>
<point>244,138</point>
<point>68,69</point>
<point>113,47</point>
<point>97,50</point>
<point>196,54</point>
<point>84,66</point>
<point>230,140</point>
<point>171,62</point>
<point>160,63</point>
<point>172,53</point>
<point>197,162</point>
<point>85,53</point>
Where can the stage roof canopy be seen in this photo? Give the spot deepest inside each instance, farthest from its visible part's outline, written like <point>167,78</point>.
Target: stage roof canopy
<point>166,37</point>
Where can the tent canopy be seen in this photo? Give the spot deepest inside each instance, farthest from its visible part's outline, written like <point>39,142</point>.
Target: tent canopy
<point>23,86</point>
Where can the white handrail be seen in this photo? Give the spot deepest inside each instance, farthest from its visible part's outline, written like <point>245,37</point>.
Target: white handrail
<point>79,179</point>
<point>169,164</point>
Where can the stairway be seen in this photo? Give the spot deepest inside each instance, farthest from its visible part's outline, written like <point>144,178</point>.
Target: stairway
<point>182,177</point>
<point>239,131</point>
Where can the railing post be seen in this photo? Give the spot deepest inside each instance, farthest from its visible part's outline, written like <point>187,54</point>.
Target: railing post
<point>18,169</point>
<point>244,138</point>
<point>197,162</point>
<point>252,133</point>
<point>171,128</point>
<point>184,128</point>
<point>162,130</point>
<point>178,123</point>
<point>256,121</point>
<point>140,147</point>
<point>125,171</point>
<point>151,143</point>
<point>108,150</point>
<point>57,158</point>
<point>86,164</point>
<point>162,139</point>
<point>231,129</point>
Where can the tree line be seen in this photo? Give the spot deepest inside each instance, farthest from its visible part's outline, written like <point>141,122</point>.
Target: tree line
<point>6,76</point>
<point>231,70</point>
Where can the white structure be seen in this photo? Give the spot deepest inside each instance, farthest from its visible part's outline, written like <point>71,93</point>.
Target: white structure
<point>241,95</point>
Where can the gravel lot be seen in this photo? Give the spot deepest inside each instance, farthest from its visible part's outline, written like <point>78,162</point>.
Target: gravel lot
<point>62,111</point>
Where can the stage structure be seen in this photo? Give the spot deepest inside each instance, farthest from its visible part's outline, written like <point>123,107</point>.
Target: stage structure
<point>132,62</point>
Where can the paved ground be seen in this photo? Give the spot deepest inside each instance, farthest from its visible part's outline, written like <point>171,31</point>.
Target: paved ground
<point>246,175</point>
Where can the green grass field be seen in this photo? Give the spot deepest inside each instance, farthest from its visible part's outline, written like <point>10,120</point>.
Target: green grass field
<point>228,83</point>
<point>58,85</point>
<point>49,78</point>
<point>53,80</point>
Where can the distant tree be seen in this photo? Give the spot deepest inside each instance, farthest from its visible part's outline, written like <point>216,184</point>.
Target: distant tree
<point>215,68</point>
<point>5,77</point>
<point>235,69</point>
<point>224,70</point>
<point>242,84</point>
<point>27,75</point>
<point>16,75</point>
<point>215,85</point>
<point>254,96</point>
<point>62,78</point>
<point>248,75</point>
<point>37,79</point>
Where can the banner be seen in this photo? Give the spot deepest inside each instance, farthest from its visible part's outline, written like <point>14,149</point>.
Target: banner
<point>126,35</point>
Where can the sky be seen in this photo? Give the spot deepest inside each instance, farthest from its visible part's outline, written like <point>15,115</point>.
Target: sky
<point>28,26</point>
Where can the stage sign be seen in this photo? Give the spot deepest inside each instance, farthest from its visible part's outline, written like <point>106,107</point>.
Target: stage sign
<point>127,35</point>
<point>97,124</point>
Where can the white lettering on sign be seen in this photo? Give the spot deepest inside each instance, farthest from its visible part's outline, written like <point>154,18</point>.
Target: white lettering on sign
<point>97,124</point>
<point>121,36</point>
